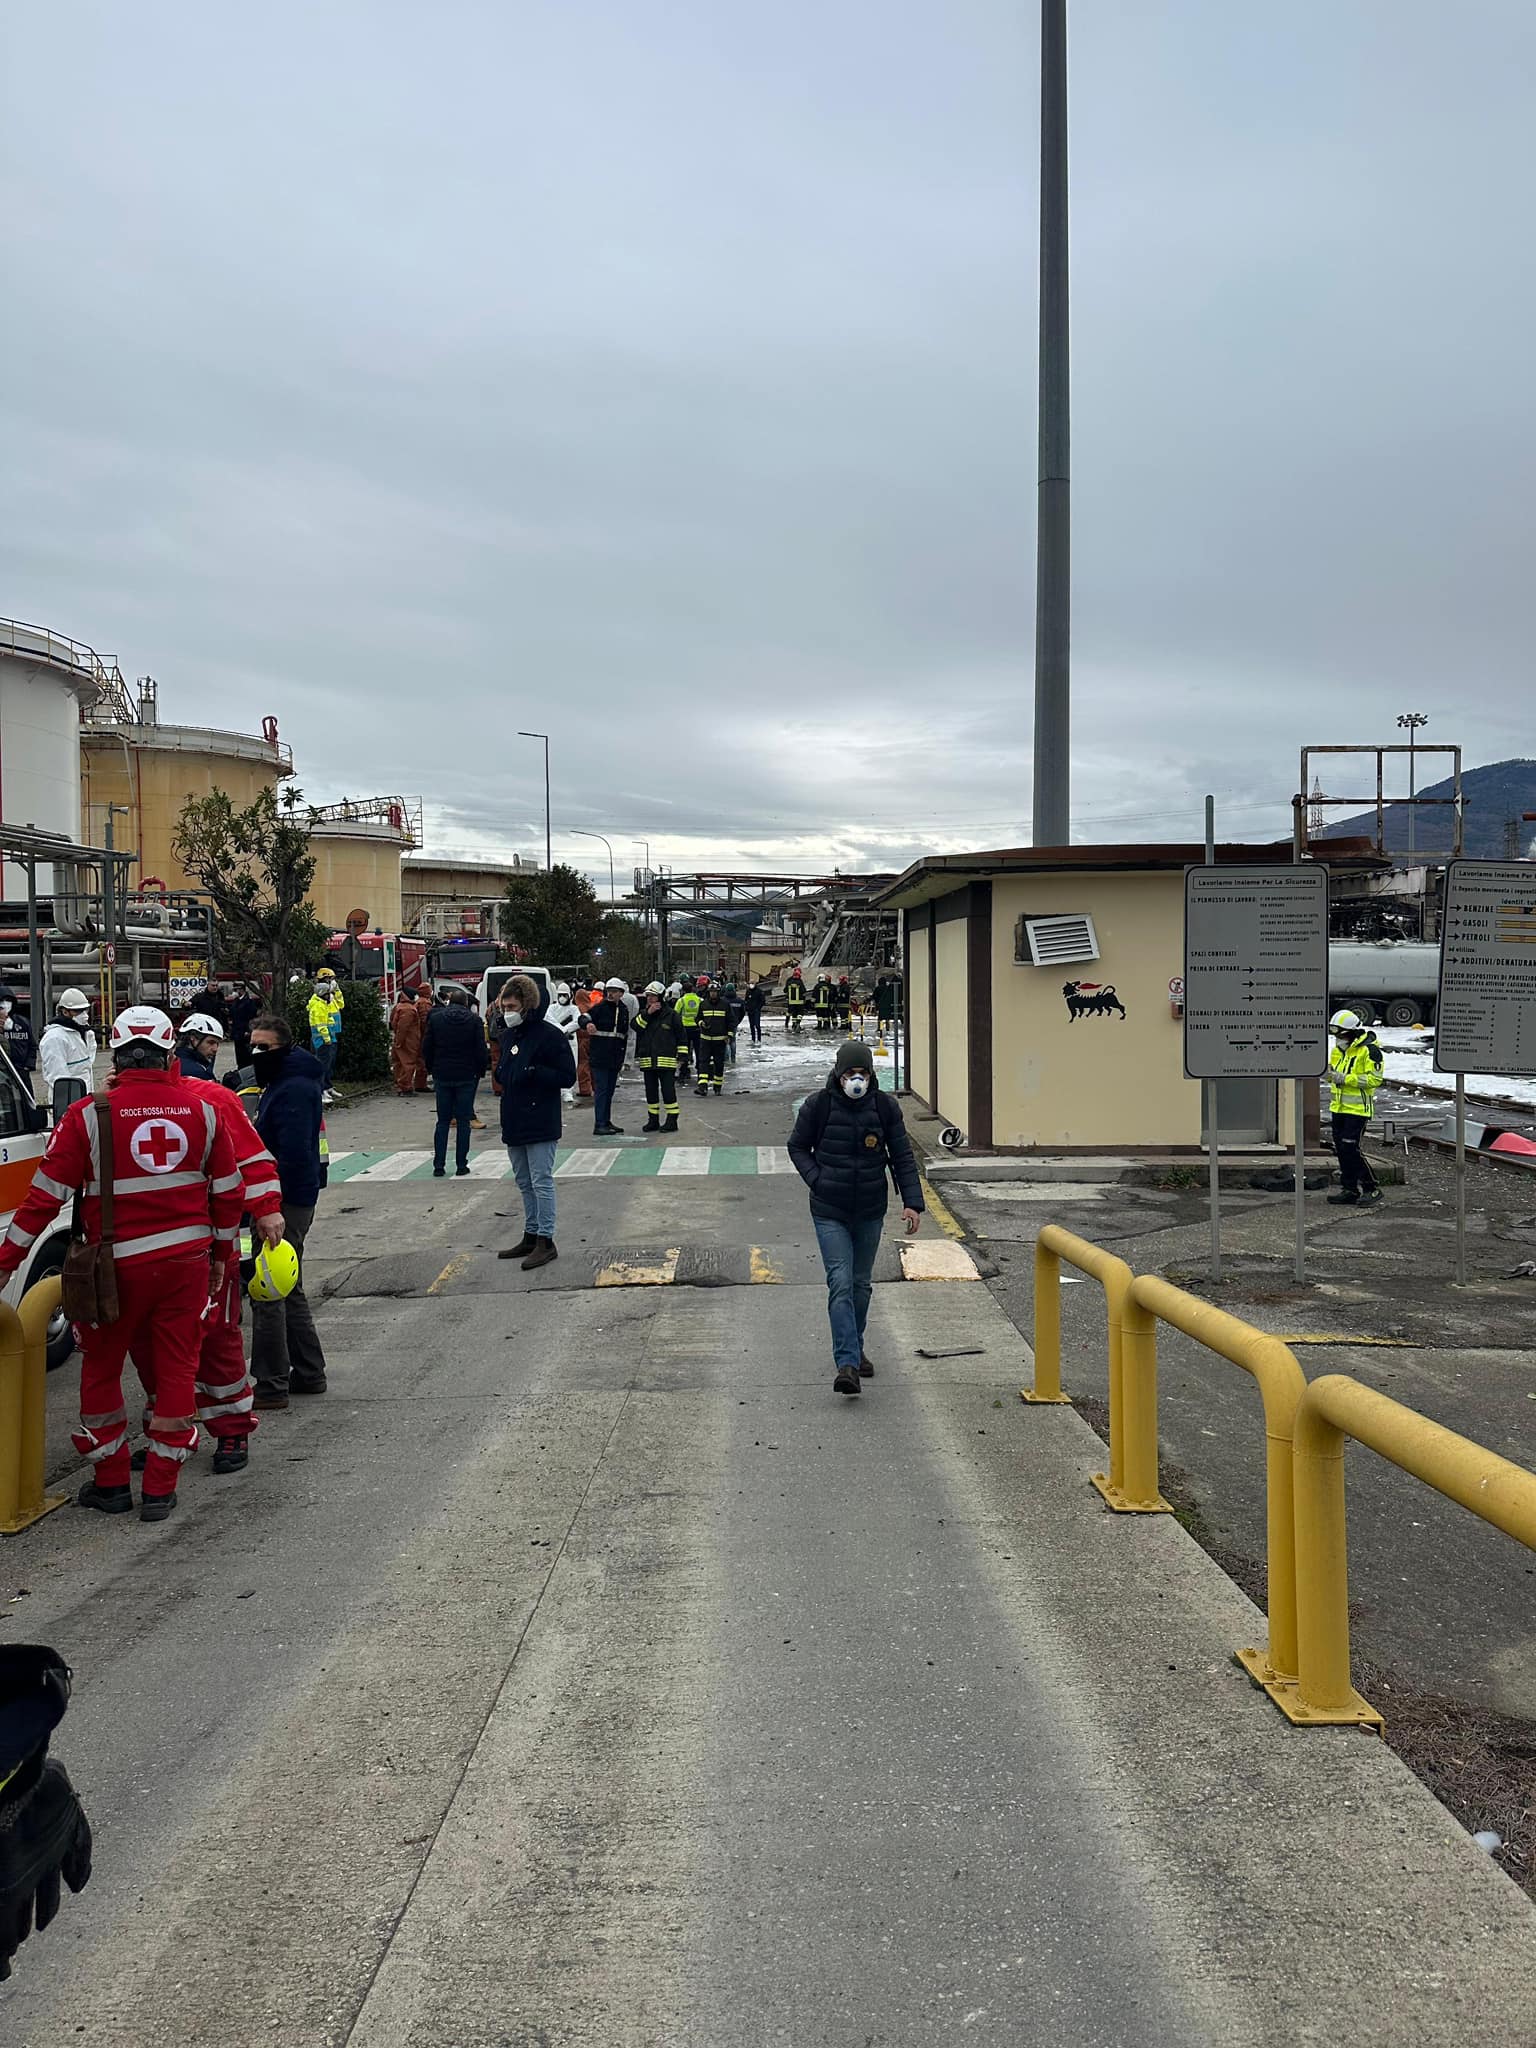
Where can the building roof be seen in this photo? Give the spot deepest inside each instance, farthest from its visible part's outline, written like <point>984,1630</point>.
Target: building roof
<point>941,873</point>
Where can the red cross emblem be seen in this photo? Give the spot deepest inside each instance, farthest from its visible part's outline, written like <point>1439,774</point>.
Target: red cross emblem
<point>158,1145</point>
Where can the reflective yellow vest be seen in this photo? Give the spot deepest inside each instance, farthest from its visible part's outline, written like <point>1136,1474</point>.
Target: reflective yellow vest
<point>324,1020</point>
<point>1354,1075</point>
<point>688,1007</point>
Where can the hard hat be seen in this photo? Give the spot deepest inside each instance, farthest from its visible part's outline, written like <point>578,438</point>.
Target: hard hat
<point>1345,1020</point>
<point>326,974</point>
<point>140,1025</point>
<point>615,984</point>
<point>72,999</point>
<point>654,988</point>
<point>198,1025</point>
<point>275,1273</point>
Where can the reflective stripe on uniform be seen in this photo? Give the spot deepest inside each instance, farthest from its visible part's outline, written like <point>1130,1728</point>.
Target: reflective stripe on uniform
<point>92,1448</point>
<point>162,1240</point>
<point>24,1238</point>
<point>263,1188</point>
<point>147,1183</point>
<point>50,1186</point>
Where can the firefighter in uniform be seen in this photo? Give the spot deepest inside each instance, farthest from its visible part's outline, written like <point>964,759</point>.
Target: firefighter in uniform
<point>606,1028</point>
<point>823,1002</point>
<point>714,1029</point>
<point>176,1203</point>
<point>687,1008</point>
<point>1354,1074</point>
<point>794,998</point>
<point>658,1037</point>
<point>844,1000</point>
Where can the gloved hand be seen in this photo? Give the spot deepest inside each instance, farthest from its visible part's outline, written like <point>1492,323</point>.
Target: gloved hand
<point>44,1834</point>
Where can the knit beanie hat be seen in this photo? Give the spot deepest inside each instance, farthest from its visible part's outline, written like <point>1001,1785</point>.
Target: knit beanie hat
<point>853,1053</point>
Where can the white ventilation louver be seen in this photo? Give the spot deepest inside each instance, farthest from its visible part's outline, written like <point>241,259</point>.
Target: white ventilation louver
<point>1055,941</point>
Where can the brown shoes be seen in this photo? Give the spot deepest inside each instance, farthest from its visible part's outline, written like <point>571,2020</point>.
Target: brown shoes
<point>541,1255</point>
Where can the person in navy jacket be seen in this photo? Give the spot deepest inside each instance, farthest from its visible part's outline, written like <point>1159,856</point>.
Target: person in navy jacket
<point>535,1066</point>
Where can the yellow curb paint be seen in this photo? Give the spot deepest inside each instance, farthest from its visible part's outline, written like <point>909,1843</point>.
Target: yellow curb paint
<point>933,1258</point>
<point>763,1272</point>
<point>937,1210</point>
<point>450,1272</point>
<point>634,1273</point>
<point>1336,1337</point>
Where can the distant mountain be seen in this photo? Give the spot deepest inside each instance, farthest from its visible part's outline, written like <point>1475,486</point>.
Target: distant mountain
<point>1491,796</point>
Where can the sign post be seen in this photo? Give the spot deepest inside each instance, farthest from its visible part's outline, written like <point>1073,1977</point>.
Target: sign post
<point>1255,988</point>
<point>1485,1019</point>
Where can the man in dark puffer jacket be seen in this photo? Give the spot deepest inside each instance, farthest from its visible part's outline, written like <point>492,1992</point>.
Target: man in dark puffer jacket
<point>846,1138</point>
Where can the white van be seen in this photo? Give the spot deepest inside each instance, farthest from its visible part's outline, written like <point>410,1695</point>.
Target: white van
<point>22,1144</point>
<point>488,987</point>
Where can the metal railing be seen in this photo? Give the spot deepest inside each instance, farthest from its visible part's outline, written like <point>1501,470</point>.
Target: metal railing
<point>23,1400</point>
<point>17,637</point>
<point>1281,1384</point>
<point>1331,1409</point>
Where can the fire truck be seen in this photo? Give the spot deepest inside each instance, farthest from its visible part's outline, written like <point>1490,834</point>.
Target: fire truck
<point>383,957</point>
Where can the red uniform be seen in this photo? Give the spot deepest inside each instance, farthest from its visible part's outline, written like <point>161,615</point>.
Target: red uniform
<point>177,1200</point>
<point>224,1389</point>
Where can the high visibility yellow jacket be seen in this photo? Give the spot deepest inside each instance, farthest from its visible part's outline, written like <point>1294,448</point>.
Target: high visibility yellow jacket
<point>688,1006</point>
<point>324,1020</point>
<point>1354,1075</point>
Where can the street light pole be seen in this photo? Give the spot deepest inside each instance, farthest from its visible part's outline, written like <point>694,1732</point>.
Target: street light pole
<point>549,856</point>
<point>1053,530</point>
<point>577,833</point>
<point>1411,721</point>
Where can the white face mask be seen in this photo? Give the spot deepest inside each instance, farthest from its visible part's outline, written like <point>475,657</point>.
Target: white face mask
<point>855,1085</point>
<point>511,1018</point>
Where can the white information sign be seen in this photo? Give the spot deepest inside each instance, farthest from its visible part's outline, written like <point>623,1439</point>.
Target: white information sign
<point>1485,1022</point>
<point>1255,972</point>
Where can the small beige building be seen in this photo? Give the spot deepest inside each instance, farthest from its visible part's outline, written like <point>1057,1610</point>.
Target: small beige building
<point>1043,1000</point>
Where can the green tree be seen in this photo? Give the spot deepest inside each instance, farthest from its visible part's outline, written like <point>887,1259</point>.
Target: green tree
<point>256,866</point>
<point>553,919</point>
<point>625,950</point>
<point>363,1054</point>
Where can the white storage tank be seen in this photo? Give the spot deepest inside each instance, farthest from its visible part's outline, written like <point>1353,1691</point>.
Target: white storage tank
<point>44,679</point>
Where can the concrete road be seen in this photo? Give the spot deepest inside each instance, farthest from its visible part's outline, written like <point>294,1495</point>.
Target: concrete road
<point>580,1669</point>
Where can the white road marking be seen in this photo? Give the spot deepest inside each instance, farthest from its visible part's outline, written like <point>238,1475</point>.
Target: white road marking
<point>684,1159</point>
<point>585,1165</point>
<point>774,1159</point>
<point>395,1167</point>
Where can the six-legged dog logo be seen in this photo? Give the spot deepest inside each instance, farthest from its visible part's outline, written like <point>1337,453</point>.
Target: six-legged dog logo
<point>1091,999</point>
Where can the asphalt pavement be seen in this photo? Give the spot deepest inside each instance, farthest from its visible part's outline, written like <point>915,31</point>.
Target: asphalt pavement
<point>581,1669</point>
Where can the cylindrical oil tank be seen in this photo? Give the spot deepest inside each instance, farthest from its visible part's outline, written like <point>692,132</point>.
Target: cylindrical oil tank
<point>357,867</point>
<point>44,680</point>
<point>152,770</point>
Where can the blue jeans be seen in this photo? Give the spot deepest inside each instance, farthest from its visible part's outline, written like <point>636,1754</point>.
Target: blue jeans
<point>604,1081</point>
<point>533,1168</point>
<point>326,1055</point>
<point>455,1105</point>
<point>848,1253</point>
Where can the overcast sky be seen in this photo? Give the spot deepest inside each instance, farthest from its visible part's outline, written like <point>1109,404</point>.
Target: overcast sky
<point>660,374</point>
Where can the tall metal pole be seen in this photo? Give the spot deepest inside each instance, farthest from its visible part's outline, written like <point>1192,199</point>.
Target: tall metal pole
<point>1212,1106</point>
<point>1053,534</point>
<point>578,833</point>
<point>549,854</point>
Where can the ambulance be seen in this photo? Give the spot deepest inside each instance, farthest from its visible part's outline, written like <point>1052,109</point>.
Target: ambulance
<point>23,1139</point>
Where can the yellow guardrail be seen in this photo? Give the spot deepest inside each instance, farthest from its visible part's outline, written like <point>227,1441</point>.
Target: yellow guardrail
<point>1281,1384</point>
<point>1130,1485</point>
<point>1331,1409</point>
<point>23,1397</point>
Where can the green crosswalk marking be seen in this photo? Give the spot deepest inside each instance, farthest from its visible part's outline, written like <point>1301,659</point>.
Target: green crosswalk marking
<point>733,1159</point>
<point>637,1165</point>
<point>639,1162</point>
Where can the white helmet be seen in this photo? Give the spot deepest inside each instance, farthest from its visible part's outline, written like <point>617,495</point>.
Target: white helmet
<point>654,988</point>
<point>200,1025</point>
<point>140,1025</point>
<point>72,1001</point>
<point>674,988</point>
<point>1345,1021</point>
<point>615,985</point>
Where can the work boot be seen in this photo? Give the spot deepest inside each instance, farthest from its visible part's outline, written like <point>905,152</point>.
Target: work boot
<point>521,1249</point>
<point>866,1368</point>
<point>846,1380</point>
<point>1346,1200</point>
<point>652,1122</point>
<point>231,1454</point>
<point>110,1500</point>
<point>702,1089</point>
<point>670,1124</point>
<point>461,1173</point>
<point>154,1507</point>
<point>269,1399</point>
<point>1370,1198</point>
<point>541,1255</point>
<point>316,1386</point>
<point>439,1172</point>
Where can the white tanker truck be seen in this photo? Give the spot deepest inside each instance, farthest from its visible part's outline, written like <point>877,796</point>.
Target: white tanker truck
<point>1394,981</point>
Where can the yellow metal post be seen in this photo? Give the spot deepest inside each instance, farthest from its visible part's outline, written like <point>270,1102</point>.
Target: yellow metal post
<point>1047,1387</point>
<point>1332,1408</point>
<point>23,1408</point>
<point>1135,1492</point>
<point>1281,1384</point>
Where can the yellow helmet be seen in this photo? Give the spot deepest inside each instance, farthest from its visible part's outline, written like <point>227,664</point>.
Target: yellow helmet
<point>276,1272</point>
